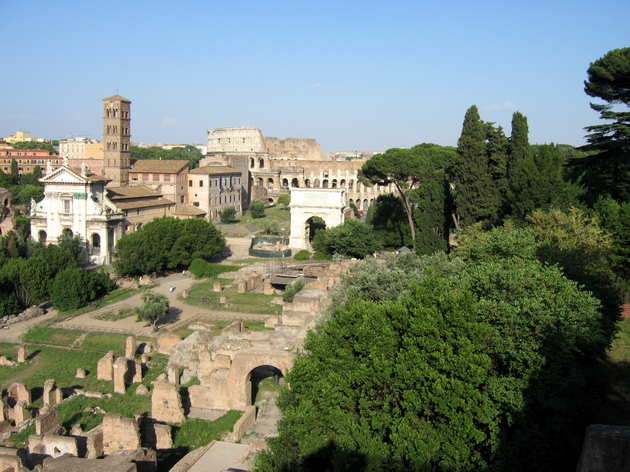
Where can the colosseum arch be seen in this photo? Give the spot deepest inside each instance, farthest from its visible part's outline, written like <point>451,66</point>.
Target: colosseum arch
<point>327,204</point>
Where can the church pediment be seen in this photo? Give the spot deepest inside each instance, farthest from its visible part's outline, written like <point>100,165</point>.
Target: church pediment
<point>64,175</point>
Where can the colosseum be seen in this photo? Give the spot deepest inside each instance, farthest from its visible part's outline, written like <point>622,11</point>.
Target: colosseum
<point>275,166</point>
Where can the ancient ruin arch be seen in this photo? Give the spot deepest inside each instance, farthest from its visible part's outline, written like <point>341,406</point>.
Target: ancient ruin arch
<point>327,204</point>
<point>295,183</point>
<point>270,183</point>
<point>307,183</point>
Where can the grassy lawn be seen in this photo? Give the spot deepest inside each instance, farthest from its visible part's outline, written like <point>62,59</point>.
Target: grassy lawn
<point>202,295</point>
<point>116,296</point>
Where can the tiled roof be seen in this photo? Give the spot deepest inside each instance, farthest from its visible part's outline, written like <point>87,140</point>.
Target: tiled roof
<point>189,210</point>
<point>214,170</point>
<point>147,203</point>
<point>115,98</point>
<point>132,191</point>
<point>157,166</point>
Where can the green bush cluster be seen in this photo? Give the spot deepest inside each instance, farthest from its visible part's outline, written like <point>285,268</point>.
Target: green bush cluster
<point>205,270</point>
<point>292,289</point>
<point>302,255</point>
<point>75,287</point>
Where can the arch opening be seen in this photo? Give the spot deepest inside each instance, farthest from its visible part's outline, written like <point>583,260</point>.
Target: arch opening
<point>262,383</point>
<point>312,225</point>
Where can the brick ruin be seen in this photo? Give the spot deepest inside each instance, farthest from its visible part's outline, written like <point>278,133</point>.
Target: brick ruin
<point>223,364</point>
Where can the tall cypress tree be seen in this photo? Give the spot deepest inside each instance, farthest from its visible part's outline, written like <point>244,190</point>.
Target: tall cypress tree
<point>475,199</point>
<point>519,143</point>
<point>497,147</point>
<point>15,176</point>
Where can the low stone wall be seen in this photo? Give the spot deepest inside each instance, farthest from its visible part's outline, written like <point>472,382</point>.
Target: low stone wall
<point>244,424</point>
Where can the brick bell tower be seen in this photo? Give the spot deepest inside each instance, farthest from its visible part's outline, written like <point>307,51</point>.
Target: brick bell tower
<point>116,140</point>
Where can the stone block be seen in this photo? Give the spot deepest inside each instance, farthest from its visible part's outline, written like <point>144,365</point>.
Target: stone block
<point>52,395</point>
<point>166,402</point>
<point>137,371</point>
<point>172,372</point>
<point>244,423</point>
<point>48,423</point>
<point>217,287</point>
<point>158,436</point>
<point>21,413</point>
<point>105,367</point>
<point>6,362</point>
<point>80,373</point>
<point>167,340</point>
<point>121,366</point>
<point>119,433</point>
<point>268,288</point>
<point>18,392</point>
<point>130,347</point>
<point>21,353</point>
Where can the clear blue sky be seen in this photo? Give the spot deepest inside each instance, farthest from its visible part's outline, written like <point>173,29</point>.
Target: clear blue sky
<point>354,75</point>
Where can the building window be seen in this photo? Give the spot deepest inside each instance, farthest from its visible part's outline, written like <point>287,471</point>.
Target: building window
<point>201,183</point>
<point>182,199</point>
<point>196,204</point>
<point>145,177</point>
<point>167,177</point>
<point>190,183</point>
<point>156,177</point>
<point>66,206</point>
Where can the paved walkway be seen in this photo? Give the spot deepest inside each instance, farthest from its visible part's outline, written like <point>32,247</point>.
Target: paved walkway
<point>222,456</point>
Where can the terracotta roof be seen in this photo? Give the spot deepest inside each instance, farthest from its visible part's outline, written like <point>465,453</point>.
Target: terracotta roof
<point>213,170</point>
<point>132,191</point>
<point>189,210</point>
<point>157,166</point>
<point>115,98</point>
<point>144,203</point>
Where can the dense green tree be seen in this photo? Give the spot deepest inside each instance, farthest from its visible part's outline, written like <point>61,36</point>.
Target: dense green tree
<point>497,148</point>
<point>32,178</point>
<point>75,288</point>
<point>257,208</point>
<point>395,385</point>
<point>188,152</point>
<point>538,182</point>
<point>406,169</point>
<point>351,239</point>
<point>608,164</point>
<point>476,200</point>
<point>35,145</point>
<point>614,217</point>
<point>75,245</point>
<point>228,214</point>
<point>284,199</point>
<point>166,243</point>
<point>155,306</point>
<point>519,149</point>
<point>545,342</point>
<point>15,175</point>
<point>389,221</point>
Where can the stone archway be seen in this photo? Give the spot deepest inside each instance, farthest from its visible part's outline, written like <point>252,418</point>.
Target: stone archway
<point>226,382</point>
<point>306,203</point>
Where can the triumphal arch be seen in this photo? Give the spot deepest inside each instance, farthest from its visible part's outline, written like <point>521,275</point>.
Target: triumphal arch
<point>329,204</point>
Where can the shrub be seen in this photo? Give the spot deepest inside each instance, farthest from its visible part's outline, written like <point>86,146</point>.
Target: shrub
<point>228,215</point>
<point>204,270</point>
<point>292,289</point>
<point>257,209</point>
<point>76,287</point>
<point>302,255</point>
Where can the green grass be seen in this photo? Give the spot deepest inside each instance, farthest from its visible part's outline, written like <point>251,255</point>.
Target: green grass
<point>117,295</point>
<point>45,334</point>
<point>106,342</point>
<point>256,326</point>
<point>194,433</point>
<point>117,315</point>
<point>202,295</point>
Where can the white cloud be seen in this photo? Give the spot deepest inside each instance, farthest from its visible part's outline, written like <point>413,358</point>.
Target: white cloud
<point>504,106</point>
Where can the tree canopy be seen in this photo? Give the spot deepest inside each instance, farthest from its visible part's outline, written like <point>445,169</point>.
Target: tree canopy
<point>167,243</point>
<point>351,239</point>
<point>406,169</point>
<point>608,162</point>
